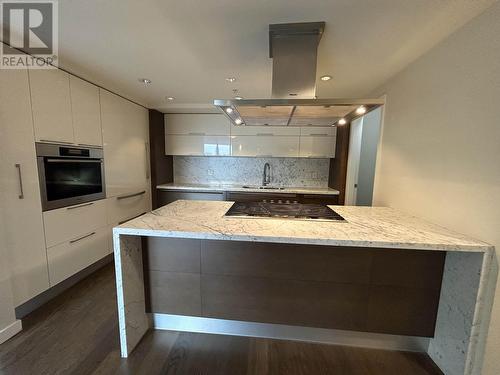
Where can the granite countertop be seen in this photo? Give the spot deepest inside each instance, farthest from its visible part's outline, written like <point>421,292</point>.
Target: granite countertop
<point>364,227</point>
<point>250,189</point>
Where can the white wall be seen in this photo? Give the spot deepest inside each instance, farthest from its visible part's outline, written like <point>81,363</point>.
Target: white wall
<point>439,156</point>
<point>367,157</point>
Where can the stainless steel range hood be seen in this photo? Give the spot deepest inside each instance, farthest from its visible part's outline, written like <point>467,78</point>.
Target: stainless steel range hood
<point>293,48</point>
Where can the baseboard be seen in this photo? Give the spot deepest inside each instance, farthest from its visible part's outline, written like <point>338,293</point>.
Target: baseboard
<point>44,297</point>
<point>11,330</point>
<point>284,332</point>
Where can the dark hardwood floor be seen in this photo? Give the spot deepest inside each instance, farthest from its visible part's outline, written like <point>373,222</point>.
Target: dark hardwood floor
<point>77,333</point>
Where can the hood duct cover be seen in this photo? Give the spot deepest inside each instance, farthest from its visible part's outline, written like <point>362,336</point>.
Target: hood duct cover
<point>294,49</point>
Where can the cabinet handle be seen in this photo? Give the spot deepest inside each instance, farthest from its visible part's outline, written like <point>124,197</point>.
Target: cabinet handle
<point>21,195</point>
<point>264,156</point>
<point>146,145</point>
<point>131,195</point>
<point>58,142</point>
<point>318,134</point>
<point>82,205</point>
<point>267,134</point>
<point>82,237</point>
<point>197,133</point>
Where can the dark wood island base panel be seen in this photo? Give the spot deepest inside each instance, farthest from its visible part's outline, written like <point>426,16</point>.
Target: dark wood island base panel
<point>361,289</point>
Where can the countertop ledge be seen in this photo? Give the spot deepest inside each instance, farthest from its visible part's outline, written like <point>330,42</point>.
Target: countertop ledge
<point>364,227</point>
<point>252,189</point>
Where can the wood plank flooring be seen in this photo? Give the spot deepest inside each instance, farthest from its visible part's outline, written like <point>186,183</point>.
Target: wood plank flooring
<point>77,333</point>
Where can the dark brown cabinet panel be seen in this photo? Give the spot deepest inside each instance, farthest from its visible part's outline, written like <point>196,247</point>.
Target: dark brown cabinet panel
<point>364,289</point>
<point>286,261</point>
<point>234,196</point>
<point>319,199</point>
<point>169,196</point>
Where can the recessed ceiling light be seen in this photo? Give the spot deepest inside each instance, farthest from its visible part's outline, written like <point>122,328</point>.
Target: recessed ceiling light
<point>170,98</point>
<point>361,110</point>
<point>146,81</point>
<point>230,79</point>
<point>326,78</point>
<point>229,110</point>
<point>238,121</point>
<point>238,97</point>
<point>342,121</point>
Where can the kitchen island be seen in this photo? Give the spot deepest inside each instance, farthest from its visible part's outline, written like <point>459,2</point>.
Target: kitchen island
<point>321,262</point>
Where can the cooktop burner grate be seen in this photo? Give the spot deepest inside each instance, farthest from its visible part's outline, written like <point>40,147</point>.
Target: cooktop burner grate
<point>292,210</point>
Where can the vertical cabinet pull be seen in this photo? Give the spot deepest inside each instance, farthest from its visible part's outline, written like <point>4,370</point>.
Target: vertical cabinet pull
<point>146,145</point>
<point>21,195</point>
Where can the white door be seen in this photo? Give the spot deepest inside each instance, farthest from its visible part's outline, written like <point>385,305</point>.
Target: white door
<point>86,112</point>
<point>51,104</point>
<point>353,162</point>
<point>19,187</point>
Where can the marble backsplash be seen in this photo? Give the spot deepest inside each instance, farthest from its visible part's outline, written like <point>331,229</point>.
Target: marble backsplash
<point>296,172</point>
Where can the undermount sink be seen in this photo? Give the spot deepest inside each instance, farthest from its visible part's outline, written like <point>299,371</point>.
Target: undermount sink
<point>263,187</point>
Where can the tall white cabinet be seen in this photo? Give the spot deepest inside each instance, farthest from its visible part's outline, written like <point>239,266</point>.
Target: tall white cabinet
<point>125,129</point>
<point>20,192</point>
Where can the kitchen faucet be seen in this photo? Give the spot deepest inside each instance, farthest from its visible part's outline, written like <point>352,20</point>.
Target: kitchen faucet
<point>266,175</point>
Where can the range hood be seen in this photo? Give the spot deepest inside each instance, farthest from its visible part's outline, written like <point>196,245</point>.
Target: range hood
<point>293,48</point>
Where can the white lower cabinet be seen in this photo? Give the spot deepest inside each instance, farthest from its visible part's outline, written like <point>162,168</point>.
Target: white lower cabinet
<point>198,145</point>
<point>316,146</point>
<point>255,145</point>
<point>127,206</point>
<point>67,223</point>
<point>70,257</point>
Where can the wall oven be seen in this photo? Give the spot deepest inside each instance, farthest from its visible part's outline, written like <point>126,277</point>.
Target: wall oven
<point>69,175</point>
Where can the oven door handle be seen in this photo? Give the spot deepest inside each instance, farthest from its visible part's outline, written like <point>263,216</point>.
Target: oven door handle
<point>131,195</point>
<point>73,160</point>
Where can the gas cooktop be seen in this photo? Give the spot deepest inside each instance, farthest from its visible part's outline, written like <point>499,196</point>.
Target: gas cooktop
<point>283,210</point>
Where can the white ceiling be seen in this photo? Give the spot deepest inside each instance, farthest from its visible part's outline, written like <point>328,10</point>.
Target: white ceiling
<point>188,47</point>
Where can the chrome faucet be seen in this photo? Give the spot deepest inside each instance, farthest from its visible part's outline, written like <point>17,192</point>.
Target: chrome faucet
<point>266,176</point>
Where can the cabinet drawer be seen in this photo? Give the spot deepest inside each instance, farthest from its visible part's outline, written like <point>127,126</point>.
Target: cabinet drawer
<point>198,145</point>
<point>72,256</point>
<point>254,145</point>
<point>319,199</point>
<point>68,223</point>
<point>196,124</point>
<point>126,206</point>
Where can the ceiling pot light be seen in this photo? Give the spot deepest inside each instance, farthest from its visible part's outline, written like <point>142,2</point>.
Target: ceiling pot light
<point>170,98</point>
<point>342,121</point>
<point>238,97</point>
<point>361,110</point>
<point>229,110</point>
<point>326,78</point>
<point>146,81</point>
<point>238,121</point>
<point>230,79</point>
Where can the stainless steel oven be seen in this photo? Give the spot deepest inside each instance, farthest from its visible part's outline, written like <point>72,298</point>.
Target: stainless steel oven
<point>69,175</point>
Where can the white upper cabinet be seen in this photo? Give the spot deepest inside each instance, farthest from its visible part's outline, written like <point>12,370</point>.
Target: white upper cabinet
<point>19,190</point>
<point>317,146</point>
<point>260,146</point>
<point>196,124</point>
<point>125,131</point>
<point>51,104</point>
<point>265,130</point>
<point>319,131</point>
<point>86,112</point>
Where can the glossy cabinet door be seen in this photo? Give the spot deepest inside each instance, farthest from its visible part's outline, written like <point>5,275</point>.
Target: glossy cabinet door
<point>19,189</point>
<point>198,145</point>
<point>72,256</point>
<point>86,112</point>
<point>260,146</point>
<point>125,129</point>
<point>51,104</point>
<point>265,130</point>
<point>197,124</point>
<point>317,146</point>
<point>319,131</point>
